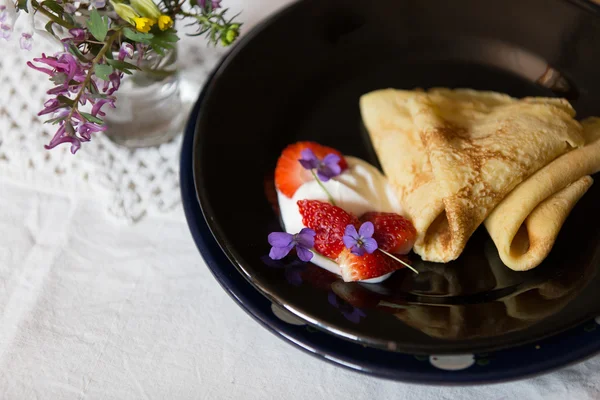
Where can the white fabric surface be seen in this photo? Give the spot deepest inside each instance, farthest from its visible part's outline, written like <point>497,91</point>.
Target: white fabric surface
<point>94,308</point>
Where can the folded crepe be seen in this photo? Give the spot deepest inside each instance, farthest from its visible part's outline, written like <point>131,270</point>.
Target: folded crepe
<point>453,155</point>
<point>524,226</point>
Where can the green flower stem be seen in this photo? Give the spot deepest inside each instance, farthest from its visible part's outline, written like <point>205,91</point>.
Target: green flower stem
<point>399,260</point>
<point>107,46</point>
<point>51,16</point>
<point>323,187</point>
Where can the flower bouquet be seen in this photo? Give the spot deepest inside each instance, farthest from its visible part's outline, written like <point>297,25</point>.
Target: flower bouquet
<point>101,41</point>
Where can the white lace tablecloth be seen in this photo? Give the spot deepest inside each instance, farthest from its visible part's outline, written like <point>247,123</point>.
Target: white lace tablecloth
<point>103,294</point>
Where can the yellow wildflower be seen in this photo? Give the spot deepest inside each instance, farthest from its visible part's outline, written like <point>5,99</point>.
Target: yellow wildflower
<point>144,24</point>
<point>165,22</point>
<point>126,12</point>
<point>146,8</point>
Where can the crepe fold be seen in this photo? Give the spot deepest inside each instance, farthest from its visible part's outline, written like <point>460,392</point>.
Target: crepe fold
<point>453,155</point>
<point>525,224</point>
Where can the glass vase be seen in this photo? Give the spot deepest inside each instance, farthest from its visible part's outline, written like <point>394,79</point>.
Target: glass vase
<point>149,109</point>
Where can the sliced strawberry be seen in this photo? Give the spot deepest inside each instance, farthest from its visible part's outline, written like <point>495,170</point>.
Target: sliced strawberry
<point>329,222</point>
<point>367,266</point>
<point>393,233</point>
<point>290,175</point>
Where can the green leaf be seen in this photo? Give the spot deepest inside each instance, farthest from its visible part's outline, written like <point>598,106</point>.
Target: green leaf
<point>96,95</point>
<point>98,25</point>
<point>137,36</point>
<point>66,100</point>
<point>22,5</point>
<point>122,66</point>
<point>158,50</point>
<point>103,71</point>
<point>49,29</point>
<point>58,78</point>
<point>69,18</point>
<point>53,5</point>
<point>55,120</point>
<point>91,118</point>
<point>169,35</point>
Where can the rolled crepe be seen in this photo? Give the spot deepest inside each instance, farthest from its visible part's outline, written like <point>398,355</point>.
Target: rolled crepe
<point>453,155</point>
<point>524,226</point>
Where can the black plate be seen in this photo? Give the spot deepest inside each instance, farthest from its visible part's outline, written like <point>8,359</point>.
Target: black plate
<point>299,76</point>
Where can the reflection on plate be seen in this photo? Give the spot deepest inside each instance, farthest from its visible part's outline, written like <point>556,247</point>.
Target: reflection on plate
<point>485,301</point>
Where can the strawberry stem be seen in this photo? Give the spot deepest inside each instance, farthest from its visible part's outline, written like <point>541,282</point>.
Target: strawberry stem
<point>399,260</point>
<point>312,171</point>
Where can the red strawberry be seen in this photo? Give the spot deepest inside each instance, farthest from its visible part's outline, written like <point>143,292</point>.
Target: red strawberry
<point>329,222</point>
<point>393,233</point>
<point>290,175</point>
<point>367,266</point>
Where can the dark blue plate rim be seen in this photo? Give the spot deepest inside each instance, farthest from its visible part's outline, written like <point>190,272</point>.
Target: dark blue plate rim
<point>545,355</point>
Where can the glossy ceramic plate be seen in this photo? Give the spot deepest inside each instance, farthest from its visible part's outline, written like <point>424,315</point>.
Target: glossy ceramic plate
<point>299,76</point>
<point>573,345</point>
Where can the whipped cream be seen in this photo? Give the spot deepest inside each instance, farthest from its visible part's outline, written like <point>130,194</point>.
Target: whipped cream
<point>359,189</point>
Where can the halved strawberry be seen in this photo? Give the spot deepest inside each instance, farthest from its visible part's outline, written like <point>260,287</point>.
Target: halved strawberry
<point>329,222</point>
<point>290,175</point>
<point>393,233</point>
<point>367,266</point>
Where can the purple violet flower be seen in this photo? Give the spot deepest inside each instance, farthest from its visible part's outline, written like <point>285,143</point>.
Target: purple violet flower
<point>5,31</point>
<point>283,243</point>
<point>214,4</point>
<point>86,129</point>
<point>69,74</point>
<point>61,137</point>
<point>77,33</point>
<point>70,8</point>
<point>327,168</point>
<point>125,51</point>
<point>96,108</point>
<point>351,313</point>
<point>99,3</point>
<point>360,242</point>
<point>26,41</point>
<point>50,106</point>
<point>3,13</point>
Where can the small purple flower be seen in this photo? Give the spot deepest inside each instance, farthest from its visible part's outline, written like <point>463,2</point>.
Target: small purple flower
<point>96,108</point>
<point>292,269</point>
<point>61,137</point>
<point>214,4</point>
<point>70,8</point>
<point>77,33</point>
<point>283,243</point>
<point>360,242</point>
<point>26,41</point>
<point>3,13</point>
<point>50,106</point>
<point>5,31</point>
<point>327,168</point>
<point>86,129</point>
<point>125,51</point>
<point>351,313</point>
<point>98,3</point>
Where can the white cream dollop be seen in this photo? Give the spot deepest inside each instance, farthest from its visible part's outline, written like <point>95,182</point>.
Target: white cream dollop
<point>359,189</point>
